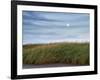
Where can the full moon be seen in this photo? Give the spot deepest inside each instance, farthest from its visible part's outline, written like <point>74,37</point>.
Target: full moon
<point>67,25</point>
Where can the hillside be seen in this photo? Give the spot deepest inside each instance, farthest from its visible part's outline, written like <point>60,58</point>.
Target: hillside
<point>66,53</point>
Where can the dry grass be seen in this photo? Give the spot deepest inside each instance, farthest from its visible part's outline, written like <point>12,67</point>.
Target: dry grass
<point>67,53</point>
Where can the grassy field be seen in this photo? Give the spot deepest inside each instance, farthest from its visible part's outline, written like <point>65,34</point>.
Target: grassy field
<point>67,53</point>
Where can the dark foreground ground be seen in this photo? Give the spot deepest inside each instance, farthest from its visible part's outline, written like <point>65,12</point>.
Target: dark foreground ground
<point>27,66</point>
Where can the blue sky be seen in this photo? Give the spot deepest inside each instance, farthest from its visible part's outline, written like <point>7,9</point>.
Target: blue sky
<point>46,27</point>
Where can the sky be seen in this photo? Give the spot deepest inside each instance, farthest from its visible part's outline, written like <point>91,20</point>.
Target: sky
<point>48,27</point>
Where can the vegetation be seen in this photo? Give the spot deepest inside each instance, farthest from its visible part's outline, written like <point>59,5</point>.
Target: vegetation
<point>67,53</point>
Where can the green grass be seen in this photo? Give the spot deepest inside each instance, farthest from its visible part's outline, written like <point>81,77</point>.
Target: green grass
<point>67,53</point>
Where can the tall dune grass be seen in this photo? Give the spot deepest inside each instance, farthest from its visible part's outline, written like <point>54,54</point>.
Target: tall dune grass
<point>67,53</point>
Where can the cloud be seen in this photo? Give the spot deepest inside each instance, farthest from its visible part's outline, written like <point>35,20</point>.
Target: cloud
<point>43,27</point>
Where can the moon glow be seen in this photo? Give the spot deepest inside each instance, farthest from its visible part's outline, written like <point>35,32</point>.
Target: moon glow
<point>68,25</point>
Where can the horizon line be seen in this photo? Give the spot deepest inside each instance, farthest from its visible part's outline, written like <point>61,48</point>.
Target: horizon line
<point>73,41</point>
